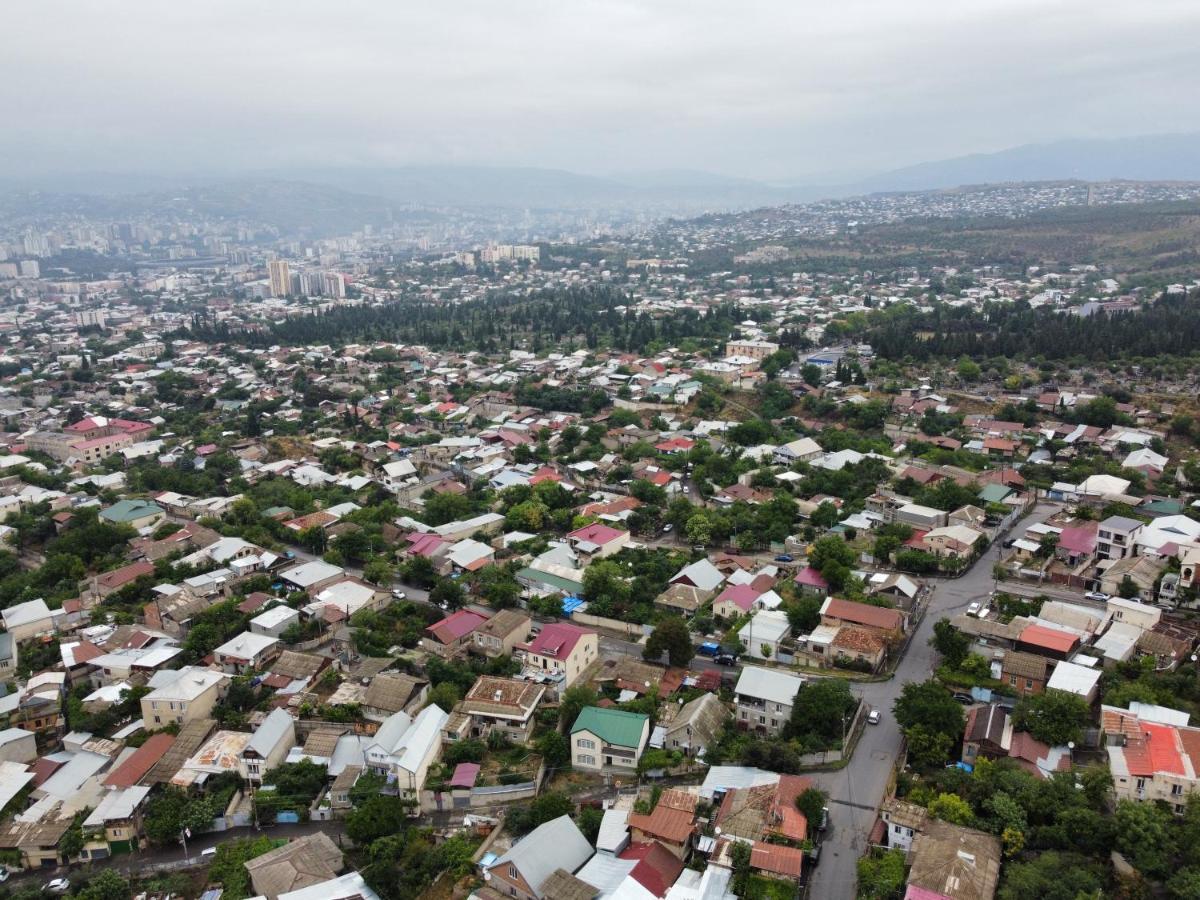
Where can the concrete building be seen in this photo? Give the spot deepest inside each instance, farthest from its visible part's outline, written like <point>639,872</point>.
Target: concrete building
<point>763,698</point>
<point>182,695</point>
<point>608,739</point>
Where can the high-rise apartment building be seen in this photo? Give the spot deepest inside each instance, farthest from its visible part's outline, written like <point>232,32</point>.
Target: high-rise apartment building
<point>281,277</point>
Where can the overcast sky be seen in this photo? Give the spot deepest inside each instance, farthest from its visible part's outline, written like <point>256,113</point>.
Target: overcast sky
<point>777,90</point>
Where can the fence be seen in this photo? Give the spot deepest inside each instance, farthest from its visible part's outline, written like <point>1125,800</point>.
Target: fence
<point>634,631</point>
<point>835,757</point>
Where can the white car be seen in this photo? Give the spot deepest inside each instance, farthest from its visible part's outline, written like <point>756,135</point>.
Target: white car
<point>1098,596</point>
<point>399,595</point>
<point>58,886</point>
<point>973,609</point>
<point>874,717</point>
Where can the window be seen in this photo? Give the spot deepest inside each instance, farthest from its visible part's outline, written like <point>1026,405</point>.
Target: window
<point>762,720</point>
<point>1029,684</point>
<point>586,744</point>
<point>586,760</point>
<point>512,871</point>
<point>1176,790</point>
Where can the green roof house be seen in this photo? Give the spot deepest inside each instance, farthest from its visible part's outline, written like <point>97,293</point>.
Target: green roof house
<point>609,739</point>
<point>136,513</point>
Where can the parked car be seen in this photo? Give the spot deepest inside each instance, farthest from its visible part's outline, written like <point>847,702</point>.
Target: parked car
<point>58,886</point>
<point>973,609</point>
<point>399,595</point>
<point>3,874</point>
<point>667,528</point>
<point>784,557</point>
<point>710,649</point>
<point>726,659</point>
<point>824,823</point>
<point>1098,596</point>
<point>964,698</point>
<point>208,853</point>
<point>874,717</point>
<point>814,855</point>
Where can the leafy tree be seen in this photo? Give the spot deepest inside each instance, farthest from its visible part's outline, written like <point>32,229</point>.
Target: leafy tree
<point>699,530</point>
<point>881,875</point>
<point>1052,876</point>
<point>574,699</point>
<point>545,808</point>
<point>804,613</point>
<point>951,808</point>
<point>448,593</point>
<point>670,636</point>
<point>1145,837</point>
<point>444,507</point>
<point>811,802</point>
<point>1053,717</point>
<point>927,749</point>
<point>379,571</point>
<point>555,749</point>
<point>109,885</point>
<point>951,643</point>
<point>444,696</point>
<point>229,866</point>
<point>378,817</point>
<point>929,705</point>
<point>820,711</point>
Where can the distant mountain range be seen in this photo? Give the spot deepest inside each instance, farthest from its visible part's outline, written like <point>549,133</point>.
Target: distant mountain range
<point>331,198</point>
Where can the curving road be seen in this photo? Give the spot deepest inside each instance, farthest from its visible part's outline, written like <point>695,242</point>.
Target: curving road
<point>856,791</point>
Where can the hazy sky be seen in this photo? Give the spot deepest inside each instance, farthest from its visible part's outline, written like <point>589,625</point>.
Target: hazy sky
<point>762,89</point>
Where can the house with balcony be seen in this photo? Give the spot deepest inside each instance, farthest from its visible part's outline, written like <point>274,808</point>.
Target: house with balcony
<point>1153,754</point>
<point>763,698</point>
<point>496,705</point>
<point>609,740</point>
<point>248,652</point>
<point>1116,537</point>
<point>500,634</point>
<point>403,749</point>
<point>560,653</point>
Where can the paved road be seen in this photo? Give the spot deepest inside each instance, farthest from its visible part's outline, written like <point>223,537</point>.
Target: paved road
<point>166,859</point>
<point>856,791</point>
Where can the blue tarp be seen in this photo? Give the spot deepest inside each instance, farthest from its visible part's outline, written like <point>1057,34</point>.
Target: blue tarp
<point>571,604</point>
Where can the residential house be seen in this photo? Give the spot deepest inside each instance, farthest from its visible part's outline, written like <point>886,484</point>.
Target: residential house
<point>500,634</point>
<point>453,634</point>
<point>1117,537</point>
<point>764,633</point>
<point>597,540</point>
<point>1025,673</point>
<point>682,599</point>
<point>552,847</point>
<point>672,822</point>
<point>403,749</point>
<point>701,574</point>
<point>392,692</point>
<point>885,621</point>
<point>137,514</point>
<point>182,695</point>
<point>763,698</point>
<point>115,826</point>
<point>498,705</point>
<point>562,651</point>
<point>696,726</point>
<point>1153,754</point>
<point>953,542</point>
<point>248,652</point>
<point>269,745</point>
<point>953,862</point>
<point>800,450</point>
<point>304,862</point>
<point>26,620</point>
<point>605,739</point>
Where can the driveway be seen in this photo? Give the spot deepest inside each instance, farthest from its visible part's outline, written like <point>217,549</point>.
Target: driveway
<point>856,791</point>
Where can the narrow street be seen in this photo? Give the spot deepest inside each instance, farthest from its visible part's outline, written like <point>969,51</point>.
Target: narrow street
<point>856,791</point>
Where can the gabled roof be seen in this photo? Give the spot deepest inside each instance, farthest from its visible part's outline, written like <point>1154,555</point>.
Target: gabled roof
<point>613,726</point>
<point>456,626</point>
<point>557,844</point>
<point>863,614</point>
<point>557,640</point>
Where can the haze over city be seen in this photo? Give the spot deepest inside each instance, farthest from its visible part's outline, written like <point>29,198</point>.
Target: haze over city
<point>767,90</point>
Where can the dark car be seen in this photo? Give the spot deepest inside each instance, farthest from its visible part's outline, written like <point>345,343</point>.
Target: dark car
<point>964,698</point>
<point>814,855</point>
<point>784,557</point>
<point>725,659</point>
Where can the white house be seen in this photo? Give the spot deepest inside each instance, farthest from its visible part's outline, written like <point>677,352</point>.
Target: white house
<point>403,749</point>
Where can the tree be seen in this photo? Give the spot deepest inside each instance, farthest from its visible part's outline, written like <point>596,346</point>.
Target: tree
<point>379,571</point>
<point>1129,589</point>
<point>968,369</point>
<point>820,711</point>
<point>444,696</point>
<point>1053,717</point>
<point>699,530</point>
<point>881,875</point>
<point>1052,876</point>
<point>378,817</point>
<point>951,808</point>
<point>927,749</point>
<point>929,705</point>
<point>951,643</point>
<point>811,802</point>
<point>574,699</point>
<point>108,885</point>
<point>448,593</point>
<point>670,636</point>
<point>1145,836</point>
<point>546,808</point>
<point>555,750</point>
<point>804,614</point>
